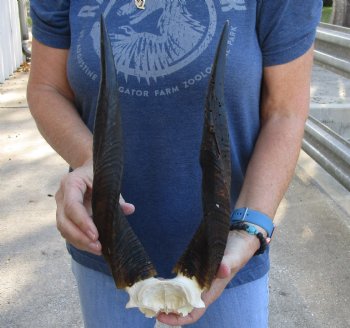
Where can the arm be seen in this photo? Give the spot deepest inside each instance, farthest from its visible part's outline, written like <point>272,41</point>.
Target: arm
<point>284,109</point>
<point>51,103</point>
<point>50,99</point>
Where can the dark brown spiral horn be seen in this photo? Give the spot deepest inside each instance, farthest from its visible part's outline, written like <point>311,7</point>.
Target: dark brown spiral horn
<point>121,248</point>
<point>206,249</point>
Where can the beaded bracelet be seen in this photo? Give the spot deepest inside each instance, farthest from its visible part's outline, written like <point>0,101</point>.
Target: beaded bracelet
<point>252,231</point>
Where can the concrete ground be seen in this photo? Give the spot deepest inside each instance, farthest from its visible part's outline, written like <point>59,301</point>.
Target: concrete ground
<point>309,281</point>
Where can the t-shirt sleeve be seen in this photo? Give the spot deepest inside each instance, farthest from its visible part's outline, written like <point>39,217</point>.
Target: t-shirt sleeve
<point>51,22</point>
<point>286,28</point>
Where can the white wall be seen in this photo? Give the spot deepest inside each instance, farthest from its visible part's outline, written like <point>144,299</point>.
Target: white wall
<point>10,39</point>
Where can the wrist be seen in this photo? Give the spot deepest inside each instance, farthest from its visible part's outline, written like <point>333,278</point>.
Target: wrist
<point>251,241</point>
<point>253,217</point>
<point>259,229</point>
<point>88,162</point>
<point>252,232</point>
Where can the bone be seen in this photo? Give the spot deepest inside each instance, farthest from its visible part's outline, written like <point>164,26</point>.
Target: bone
<point>131,267</point>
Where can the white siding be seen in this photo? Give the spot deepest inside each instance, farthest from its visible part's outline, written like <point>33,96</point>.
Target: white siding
<point>10,39</point>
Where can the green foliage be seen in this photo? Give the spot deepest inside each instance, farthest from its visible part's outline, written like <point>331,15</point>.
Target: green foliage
<point>29,21</point>
<point>326,14</point>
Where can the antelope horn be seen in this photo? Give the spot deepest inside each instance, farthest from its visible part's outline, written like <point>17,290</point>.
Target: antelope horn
<point>206,249</point>
<point>121,248</point>
<point>198,265</point>
<point>130,265</point>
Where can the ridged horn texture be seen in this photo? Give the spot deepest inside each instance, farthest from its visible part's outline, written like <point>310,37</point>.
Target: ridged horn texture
<point>206,249</point>
<point>121,248</point>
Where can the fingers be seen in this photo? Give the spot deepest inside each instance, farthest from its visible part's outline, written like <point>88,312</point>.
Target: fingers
<point>126,207</point>
<point>237,253</point>
<point>72,217</point>
<point>240,248</point>
<point>230,264</point>
<point>173,319</point>
<point>232,261</point>
<point>74,209</point>
<point>76,237</point>
<point>224,270</point>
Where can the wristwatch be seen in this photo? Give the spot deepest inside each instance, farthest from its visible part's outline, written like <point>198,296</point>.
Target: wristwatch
<point>246,214</point>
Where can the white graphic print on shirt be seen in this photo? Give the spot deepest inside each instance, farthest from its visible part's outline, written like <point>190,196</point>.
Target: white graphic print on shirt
<point>174,38</point>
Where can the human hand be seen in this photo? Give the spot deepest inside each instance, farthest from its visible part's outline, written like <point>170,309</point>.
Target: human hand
<point>240,248</point>
<point>74,213</point>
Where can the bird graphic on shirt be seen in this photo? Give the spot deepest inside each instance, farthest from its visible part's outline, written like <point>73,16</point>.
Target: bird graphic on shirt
<point>154,53</point>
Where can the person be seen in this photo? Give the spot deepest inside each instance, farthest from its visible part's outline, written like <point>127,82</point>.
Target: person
<point>163,57</point>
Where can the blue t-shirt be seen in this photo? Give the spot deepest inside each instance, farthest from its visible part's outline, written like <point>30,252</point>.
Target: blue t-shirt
<point>163,56</point>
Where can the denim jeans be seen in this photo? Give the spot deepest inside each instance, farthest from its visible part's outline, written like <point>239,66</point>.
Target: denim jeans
<point>103,306</point>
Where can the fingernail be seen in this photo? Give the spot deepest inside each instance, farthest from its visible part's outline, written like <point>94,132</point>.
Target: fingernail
<point>91,235</point>
<point>95,246</point>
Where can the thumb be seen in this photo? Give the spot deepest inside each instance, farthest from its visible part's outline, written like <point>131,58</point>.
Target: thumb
<point>127,208</point>
<point>224,270</point>
<point>229,266</point>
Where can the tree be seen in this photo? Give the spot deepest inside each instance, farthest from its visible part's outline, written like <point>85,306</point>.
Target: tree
<point>341,13</point>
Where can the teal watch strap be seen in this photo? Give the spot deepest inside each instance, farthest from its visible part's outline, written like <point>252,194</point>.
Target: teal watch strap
<point>245,214</point>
